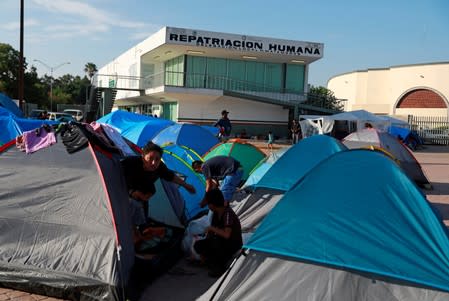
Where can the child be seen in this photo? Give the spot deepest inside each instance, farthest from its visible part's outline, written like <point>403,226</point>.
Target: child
<point>270,140</point>
<point>224,236</point>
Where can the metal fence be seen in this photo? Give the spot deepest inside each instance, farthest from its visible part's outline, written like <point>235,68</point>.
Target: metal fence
<point>433,130</point>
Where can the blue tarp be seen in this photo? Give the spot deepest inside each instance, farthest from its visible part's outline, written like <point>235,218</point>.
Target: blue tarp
<point>12,126</point>
<point>137,128</point>
<point>298,161</point>
<point>191,135</point>
<point>358,210</point>
<point>10,105</point>
<point>409,137</point>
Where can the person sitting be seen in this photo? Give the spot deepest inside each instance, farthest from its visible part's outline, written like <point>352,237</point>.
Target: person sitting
<point>223,236</point>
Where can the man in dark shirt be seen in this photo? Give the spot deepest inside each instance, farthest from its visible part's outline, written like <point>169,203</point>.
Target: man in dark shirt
<point>220,168</point>
<point>223,237</point>
<point>225,125</point>
<point>141,173</point>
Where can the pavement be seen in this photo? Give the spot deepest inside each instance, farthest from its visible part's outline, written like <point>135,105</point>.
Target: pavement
<point>433,159</point>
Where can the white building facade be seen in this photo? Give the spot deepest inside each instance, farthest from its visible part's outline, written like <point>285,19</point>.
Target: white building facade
<point>191,75</point>
<point>418,90</point>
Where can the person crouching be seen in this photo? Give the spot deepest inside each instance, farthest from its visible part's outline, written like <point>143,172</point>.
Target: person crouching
<point>223,237</point>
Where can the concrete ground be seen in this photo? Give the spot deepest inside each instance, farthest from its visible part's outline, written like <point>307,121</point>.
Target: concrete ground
<point>186,282</point>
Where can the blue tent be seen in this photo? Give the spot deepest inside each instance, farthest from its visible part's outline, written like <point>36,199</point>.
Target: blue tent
<point>179,159</point>
<point>358,211</point>
<point>262,167</point>
<point>10,105</point>
<point>213,129</point>
<point>193,136</point>
<point>299,160</point>
<point>137,128</point>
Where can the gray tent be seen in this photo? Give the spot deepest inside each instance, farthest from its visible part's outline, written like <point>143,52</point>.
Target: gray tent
<point>384,142</point>
<point>65,230</point>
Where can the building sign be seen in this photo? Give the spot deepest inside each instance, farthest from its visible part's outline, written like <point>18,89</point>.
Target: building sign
<point>180,36</point>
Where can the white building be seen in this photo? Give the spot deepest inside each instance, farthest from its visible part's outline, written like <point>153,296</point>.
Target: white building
<point>419,90</point>
<point>191,75</point>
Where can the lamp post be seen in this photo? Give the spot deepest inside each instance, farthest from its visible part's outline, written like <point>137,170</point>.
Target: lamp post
<point>51,78</point>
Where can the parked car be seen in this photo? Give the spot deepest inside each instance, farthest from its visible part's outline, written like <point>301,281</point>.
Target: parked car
<point>36,114</point>
<point>58,115</point>
<point>77,114</point>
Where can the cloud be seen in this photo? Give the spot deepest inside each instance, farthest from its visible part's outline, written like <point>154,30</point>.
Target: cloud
<point>16,25</point>
<point>82,19</point>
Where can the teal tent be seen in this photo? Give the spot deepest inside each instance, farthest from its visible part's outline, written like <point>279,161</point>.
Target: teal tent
<point>367,235</point>
<point>294,164</point>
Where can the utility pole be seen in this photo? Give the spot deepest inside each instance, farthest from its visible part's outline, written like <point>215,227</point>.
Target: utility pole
<point>21,64</point>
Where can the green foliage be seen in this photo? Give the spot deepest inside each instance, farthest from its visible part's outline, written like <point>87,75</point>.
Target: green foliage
<point>67,89</point>
<point>323,97</point>
<point>9,71</point>
<point>90,69</point>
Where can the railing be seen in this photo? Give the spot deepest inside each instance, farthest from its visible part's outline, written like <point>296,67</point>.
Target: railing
<point>205,81</point>
<point>115,81</point>
<point>433,130</point>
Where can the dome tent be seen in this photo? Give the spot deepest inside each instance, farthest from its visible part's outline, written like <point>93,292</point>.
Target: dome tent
<point>247,154</point>
<point>372,138</point>
<point>65,228</point>
<point>370,242</point>
<point>294,164</point>
<point>192,136</point>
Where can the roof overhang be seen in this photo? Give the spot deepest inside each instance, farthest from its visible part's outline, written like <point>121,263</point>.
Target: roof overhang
<point>181,41</point>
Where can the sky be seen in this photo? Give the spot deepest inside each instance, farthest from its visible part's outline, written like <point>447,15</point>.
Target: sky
<point>357,35</point>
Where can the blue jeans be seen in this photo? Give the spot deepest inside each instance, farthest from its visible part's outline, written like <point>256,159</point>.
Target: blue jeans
<point>230,184</point>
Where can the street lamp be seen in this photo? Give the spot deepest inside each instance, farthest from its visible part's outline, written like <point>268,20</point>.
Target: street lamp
<point>51,78</point>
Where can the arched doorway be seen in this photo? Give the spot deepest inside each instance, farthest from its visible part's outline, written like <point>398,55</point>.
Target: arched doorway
<point>421,98</point>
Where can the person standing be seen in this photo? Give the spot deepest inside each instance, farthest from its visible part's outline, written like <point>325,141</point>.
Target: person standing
<point>224,125</point>
<point>141,172</point>
<point>295,130</point>
<point>270,140</point>
<point>220,168</point>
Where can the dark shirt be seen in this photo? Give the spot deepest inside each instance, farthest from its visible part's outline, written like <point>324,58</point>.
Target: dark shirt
<point>295,128</point>
<point>137,178</point>
<point>219,167</point>
<point>229,220</point>
<point>225,123</point>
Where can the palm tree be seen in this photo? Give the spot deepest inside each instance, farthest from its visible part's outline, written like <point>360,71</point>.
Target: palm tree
<point>90,69</point>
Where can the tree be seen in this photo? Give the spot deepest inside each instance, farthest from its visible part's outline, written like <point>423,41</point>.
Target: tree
<point>323,97</point>
<point>9,72</point>
<point>90,69</point>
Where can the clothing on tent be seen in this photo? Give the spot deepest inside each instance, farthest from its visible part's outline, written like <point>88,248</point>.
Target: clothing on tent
<point>112,134</point>
<point>38,139</point>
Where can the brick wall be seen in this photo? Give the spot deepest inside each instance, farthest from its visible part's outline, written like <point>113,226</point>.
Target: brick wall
<point>422,98</point>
